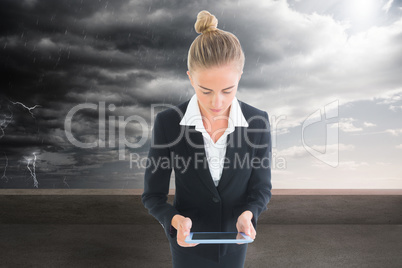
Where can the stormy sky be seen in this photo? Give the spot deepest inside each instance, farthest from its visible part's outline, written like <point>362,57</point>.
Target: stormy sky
<point>80,80</point>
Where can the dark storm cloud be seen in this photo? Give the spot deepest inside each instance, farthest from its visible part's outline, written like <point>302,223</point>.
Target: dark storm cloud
<point>54,46</point>
<point>59,54</point>
<point>132,54</point>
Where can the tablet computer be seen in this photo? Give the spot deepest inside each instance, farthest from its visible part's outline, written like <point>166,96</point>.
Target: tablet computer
<point>217,238</point>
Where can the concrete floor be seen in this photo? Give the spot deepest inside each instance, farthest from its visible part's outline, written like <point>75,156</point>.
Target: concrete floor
<point>116,231</point>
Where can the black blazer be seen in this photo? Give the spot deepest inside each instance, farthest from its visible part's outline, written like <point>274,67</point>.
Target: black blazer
<point>245,183</point>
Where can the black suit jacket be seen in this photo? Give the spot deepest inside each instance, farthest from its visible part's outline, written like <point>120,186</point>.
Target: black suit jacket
<point>245,183</point>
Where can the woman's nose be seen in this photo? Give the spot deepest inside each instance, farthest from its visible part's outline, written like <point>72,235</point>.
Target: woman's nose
<point>217,100</point>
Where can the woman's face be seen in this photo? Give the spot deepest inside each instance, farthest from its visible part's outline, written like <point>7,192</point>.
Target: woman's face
<point>215,88</point>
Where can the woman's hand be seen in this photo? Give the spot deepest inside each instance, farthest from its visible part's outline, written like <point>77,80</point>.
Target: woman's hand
<point>183,227</point>
<point>245,225</point>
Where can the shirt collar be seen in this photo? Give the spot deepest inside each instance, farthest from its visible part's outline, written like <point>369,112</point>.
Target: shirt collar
<point>192,116</point>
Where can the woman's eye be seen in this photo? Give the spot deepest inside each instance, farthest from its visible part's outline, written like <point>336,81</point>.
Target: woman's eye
<point>224,92</point>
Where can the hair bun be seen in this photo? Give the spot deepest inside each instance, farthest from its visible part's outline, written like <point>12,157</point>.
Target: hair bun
<point>206,22</point>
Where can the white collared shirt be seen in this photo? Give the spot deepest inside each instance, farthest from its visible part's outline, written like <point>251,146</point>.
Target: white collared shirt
<point>215,152</point>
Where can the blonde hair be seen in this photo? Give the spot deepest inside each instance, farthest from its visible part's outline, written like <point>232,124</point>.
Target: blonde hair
<point>213,47</point>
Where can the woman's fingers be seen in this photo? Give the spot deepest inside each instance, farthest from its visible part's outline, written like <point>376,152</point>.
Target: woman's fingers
<point>247,230</point>
<point>184,230</point>
<point>253,233</point>
<point>250,230</point>
<point>244,225</point>
<point>186,226</point>
<point>187,245</point>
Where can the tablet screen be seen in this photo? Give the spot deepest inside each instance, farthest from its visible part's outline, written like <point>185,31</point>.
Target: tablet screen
<point>206,236</point>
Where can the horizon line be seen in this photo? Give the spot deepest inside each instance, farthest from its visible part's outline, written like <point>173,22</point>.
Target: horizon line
<point>172,191</point>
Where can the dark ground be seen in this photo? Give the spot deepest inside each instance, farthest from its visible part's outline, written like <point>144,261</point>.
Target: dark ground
<point>116,231</point>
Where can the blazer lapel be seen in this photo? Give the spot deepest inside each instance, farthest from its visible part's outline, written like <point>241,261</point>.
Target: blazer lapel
<point>196,150</point>
<point>234,150</point>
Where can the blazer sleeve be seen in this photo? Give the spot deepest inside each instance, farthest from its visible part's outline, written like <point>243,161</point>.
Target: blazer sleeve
<point>157,179</point>
<point>259,186</point>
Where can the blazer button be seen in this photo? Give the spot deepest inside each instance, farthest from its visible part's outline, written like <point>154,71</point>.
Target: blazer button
<point>216,200</point>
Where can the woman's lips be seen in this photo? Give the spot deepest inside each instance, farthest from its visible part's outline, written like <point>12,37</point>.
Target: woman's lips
<point>216,110</point>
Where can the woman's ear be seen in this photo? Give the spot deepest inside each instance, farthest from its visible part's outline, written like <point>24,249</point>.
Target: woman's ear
<point>189,77</point>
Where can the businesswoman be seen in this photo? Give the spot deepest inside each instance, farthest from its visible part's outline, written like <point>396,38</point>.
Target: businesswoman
<point>220,150</point>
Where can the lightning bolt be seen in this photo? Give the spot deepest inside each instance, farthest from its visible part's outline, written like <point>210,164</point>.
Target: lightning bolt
<point>5,169</point>
<point>6,120</point>
<point>64,181</point>
<point>26,107</point>
<point>32,171</point>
